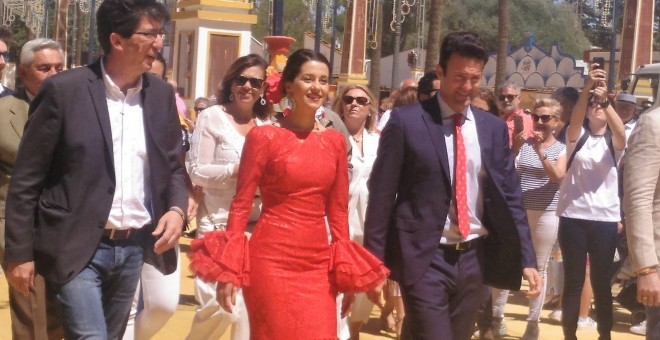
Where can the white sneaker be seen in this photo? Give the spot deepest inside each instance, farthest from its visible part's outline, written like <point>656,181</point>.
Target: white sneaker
<point>499,327</point>
<point>586,323</point>
<point>555,315</point>
<point>639,328</point>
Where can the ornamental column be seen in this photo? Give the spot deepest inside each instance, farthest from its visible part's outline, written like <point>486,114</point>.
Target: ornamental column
<point>209,35</point>
<point>354,45</point>
<point>636,36</point>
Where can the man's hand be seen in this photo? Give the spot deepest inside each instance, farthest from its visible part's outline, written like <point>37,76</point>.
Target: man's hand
<point>226,295</point>
<point>518,141</point>
<point>648,290</point>
<point>20,276</point>
<point>532,277</point>
<point>167,231</point>
<point>375,294</point>
<point>347,303</point>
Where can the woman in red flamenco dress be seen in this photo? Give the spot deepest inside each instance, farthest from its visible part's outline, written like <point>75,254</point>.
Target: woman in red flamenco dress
<point>289,272</point>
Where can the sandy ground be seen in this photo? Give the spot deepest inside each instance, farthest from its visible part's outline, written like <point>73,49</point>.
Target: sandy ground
<point>179,325</point>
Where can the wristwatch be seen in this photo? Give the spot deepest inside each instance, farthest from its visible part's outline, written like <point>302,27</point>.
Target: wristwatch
<point>545,156</point>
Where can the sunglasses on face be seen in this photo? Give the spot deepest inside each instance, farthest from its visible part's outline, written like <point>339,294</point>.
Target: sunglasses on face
<point>594,103</point>
<point>508,97</point>
<point>254,82</point>
<point>199,109</point>
<point>362,101</point>
<point>5,55</point>
<point>544,118</point>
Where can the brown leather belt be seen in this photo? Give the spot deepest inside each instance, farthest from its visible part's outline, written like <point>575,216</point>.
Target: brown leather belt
<point>461,246</point>
<point>120,234</point>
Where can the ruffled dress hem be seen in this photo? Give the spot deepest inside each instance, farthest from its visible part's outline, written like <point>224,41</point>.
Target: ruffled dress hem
<point>221,256</point>
<point>353,268</point>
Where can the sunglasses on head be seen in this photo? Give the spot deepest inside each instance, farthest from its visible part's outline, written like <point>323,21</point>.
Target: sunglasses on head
<point>544,118</point>
<point>508,97</point>
<point>254,82</point>
<point>360,100</point>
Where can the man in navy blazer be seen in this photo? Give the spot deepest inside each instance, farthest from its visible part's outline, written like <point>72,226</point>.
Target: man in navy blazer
<point>98,184</point>
<point>411,221</point>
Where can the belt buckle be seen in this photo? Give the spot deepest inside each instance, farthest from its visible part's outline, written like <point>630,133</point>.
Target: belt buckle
<point>458,246</point>
<point>127,231</point>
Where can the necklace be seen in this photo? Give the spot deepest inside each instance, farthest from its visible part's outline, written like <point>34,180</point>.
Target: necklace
<point>357,140</point>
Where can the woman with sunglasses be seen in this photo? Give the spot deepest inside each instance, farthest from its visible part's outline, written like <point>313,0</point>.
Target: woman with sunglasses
<point>356,107</point>
<point>541,165</point>
<point>289,273</point>
<point>588,206</point>
<point>215,157</point>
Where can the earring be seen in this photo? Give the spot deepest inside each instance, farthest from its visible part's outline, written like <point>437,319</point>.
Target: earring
<point>288,106</point>
<point>231,97</point>
<point>262,101</point>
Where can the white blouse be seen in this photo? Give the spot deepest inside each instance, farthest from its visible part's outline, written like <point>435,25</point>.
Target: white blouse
<point>358,194</point>
<point>216,148</point>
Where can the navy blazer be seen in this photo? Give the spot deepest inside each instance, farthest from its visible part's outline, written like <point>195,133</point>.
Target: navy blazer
<point>63,182</point>
<point>410,194</point>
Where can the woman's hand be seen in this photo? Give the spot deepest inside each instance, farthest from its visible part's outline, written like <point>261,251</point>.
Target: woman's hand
<point>226,295</point>
<point>347,303</point>
<point>597,77</point>
<point>537,141</point>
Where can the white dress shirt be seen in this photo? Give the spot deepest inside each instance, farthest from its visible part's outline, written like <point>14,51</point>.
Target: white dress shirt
<point>475,175</point>
<point>131,199</point>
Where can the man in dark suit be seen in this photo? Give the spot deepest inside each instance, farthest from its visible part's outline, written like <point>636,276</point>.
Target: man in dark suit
<point>445,211</point>
<point>33,316</point>
<point>98,185</point>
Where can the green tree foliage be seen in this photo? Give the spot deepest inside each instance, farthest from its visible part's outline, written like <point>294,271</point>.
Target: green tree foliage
<point>298,19</point>
<point>548,22</point>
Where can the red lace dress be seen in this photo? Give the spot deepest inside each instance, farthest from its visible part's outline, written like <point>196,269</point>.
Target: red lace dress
<point>289,272</point>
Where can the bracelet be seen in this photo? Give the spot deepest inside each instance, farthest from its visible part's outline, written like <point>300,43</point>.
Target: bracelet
<point>180,212</point>
<point>646,271</point>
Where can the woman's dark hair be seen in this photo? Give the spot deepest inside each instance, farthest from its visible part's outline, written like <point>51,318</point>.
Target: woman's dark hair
<point>296,61</point>
<point>489,97</point>
<point>235,70</point>
<point>123,17</point>
<point>466,44</point>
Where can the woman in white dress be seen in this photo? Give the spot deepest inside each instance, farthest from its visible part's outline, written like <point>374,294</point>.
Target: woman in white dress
<point>215,156</point>
<point>357,108</point>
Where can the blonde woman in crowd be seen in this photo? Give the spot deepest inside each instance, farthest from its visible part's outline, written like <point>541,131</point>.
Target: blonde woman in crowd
<point>357,108</point>
<point>541,165</point>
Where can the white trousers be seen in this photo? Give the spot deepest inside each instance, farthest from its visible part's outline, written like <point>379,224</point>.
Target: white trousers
<point>155,301</point>
<point>543,227</point>
<point>211,321</point>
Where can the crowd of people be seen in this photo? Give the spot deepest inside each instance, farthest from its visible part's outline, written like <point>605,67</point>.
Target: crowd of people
<point>432,203</point>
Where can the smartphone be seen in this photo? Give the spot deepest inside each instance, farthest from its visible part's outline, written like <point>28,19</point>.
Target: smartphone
<point>517,125</point>
<point>600,61</point>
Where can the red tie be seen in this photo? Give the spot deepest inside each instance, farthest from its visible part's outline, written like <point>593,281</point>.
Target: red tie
<point>460,179</point>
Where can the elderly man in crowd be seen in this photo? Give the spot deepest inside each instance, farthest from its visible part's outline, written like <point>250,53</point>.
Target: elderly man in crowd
<point>33,316</point>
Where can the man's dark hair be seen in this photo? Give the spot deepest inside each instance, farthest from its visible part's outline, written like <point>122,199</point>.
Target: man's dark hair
<point>123,17</point>
<point>6,36</point>
<point>425,83</point>
<point>466,44</point>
